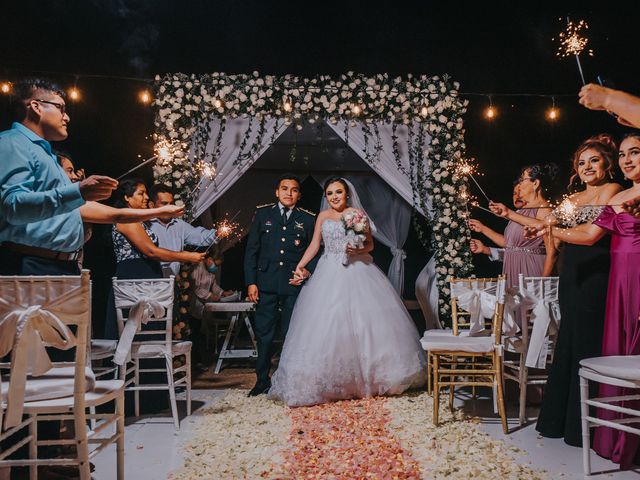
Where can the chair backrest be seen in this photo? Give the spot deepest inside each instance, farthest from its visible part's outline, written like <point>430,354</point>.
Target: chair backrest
<point>461,317</point>
<point>145,292</point>
<point>498,316</point>
<point>37,311</point>
<point>544,288</point>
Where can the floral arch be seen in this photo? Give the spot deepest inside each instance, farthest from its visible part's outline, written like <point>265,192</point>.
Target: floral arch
<point>414,125</point>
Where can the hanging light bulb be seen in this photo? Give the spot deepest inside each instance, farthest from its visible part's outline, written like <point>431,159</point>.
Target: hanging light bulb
<point>74,94</point>
<point>424,110</point>
<point>356,110</point>
<point>218,103</point>
<point>553,113</point>
<point>5,87</point>
<point>145,97</point>
<point>490,112</point>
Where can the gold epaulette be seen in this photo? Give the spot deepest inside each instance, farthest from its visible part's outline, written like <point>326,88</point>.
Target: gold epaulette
<point>266,205</point>
<point>307,211</point>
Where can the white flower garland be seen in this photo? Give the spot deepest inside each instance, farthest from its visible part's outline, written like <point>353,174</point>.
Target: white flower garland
<point>183,102</point>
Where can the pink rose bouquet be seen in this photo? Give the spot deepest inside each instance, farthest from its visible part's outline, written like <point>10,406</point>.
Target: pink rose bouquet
<point>356,222</point>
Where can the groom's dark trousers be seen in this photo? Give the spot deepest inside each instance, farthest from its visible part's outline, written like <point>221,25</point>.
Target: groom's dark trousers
<point>274,248</point>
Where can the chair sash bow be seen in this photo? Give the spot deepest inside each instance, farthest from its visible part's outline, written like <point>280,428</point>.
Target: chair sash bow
<point>545,317</point>
<point>477,301</point>
<point>25,332</point>
<point>139,314</point>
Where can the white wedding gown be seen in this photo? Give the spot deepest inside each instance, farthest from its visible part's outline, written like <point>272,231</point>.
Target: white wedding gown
<point>350,336</point>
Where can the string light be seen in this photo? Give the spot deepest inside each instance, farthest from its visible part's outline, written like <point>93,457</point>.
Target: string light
<point>218,103</point>
<point>74,94</point>
<point>5,87</point>
<point>424,110</point>
<point>490,112</point>
<point>145,97</point>
<point>553,113</point>
<point>287,106</point>
<point>356,110</point>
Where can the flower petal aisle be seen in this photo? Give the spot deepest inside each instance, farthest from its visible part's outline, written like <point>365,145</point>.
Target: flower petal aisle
<point>376,438</point>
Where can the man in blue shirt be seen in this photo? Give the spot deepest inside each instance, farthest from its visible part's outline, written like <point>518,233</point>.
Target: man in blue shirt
<point>40,225</point>
<point>174,233</point>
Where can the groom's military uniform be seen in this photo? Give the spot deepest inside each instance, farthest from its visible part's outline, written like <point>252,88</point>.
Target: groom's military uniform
<point>276,242</point>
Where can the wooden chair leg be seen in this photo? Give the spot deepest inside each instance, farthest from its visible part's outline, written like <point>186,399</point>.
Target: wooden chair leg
<point>429,374</point>
<point>522,383</point>
<point>188,364</point>
<point>451,387</point>
<point>33,446</point>
<point>497,362</point>
<point>436,388</point>
<point>120,440</point>
<point>82,444</point>
<point>136,382</point>
<point>172,392</point>
<point>584,413</point>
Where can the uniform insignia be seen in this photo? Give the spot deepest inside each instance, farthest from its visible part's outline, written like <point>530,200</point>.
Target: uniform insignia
<point>268,223</point>
<point>299,225</point>
<point>296,242</point>
<point>307,211</point>
<point>266,205</point>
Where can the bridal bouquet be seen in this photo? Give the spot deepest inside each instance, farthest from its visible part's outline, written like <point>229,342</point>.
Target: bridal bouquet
<point>357,223</point>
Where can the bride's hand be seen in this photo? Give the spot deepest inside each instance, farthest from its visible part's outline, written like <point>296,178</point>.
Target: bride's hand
<point>351,250</point>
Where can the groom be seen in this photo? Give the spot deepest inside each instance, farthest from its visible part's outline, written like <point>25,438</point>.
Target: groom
<point>278,237</point>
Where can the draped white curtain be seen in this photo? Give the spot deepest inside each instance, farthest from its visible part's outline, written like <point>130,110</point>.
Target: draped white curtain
<point>392,217</point>
<point>390,213</point>
<point>427,294</point>
<point>228,173</point>
<point>384,163</point>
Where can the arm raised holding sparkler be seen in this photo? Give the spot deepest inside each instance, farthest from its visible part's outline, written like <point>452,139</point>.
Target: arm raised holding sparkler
<point>495,237</point>
<point>624,105</point>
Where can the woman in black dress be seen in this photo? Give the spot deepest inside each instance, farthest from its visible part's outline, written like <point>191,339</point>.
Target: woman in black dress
<point>584,273</point>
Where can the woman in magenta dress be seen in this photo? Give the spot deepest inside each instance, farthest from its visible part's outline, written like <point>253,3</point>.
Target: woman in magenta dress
<point>622,324</point>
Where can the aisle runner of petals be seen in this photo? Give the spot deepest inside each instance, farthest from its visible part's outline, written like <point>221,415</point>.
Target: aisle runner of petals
<point>379,438</point>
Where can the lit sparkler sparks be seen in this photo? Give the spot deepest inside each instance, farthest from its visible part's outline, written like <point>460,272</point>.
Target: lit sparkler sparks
<point>566,212</point>
<point>467,169</point>
<point>573,42</point>
<point>207,171</point>
<point>475,204</point>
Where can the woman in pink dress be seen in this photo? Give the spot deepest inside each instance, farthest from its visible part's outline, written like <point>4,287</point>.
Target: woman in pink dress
<point>621,324</point>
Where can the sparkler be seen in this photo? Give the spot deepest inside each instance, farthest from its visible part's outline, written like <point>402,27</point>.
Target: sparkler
<point>207,171</point>
<point>475,204</point>
<point>164,152</point>
<point>465,169</point>
<point>572,42</point>
<point>226,228</point>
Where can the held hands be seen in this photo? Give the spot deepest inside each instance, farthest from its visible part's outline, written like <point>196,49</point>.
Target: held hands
<point>97,187</point>
<point>499,209</point>
<point>299,275</point>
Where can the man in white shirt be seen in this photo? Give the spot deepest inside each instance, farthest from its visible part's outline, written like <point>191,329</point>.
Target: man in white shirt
<point>174,233</point>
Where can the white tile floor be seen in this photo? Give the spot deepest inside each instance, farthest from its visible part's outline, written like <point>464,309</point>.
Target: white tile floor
<point>153,446</point>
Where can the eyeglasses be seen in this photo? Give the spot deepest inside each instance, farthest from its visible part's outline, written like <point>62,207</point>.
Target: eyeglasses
<point>520,180</point>
<point>58,105</point>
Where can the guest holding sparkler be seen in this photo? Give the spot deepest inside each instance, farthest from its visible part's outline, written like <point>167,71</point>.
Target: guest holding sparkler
<point>522,255</point>
<point>622,322</point>
<point>136,246</point>
<point>174,233</point>
<point>477,246</point>
<point>583,288</point>
<point>624,106</point>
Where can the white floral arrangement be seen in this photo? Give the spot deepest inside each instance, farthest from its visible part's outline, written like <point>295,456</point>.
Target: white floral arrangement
<point>183,103</point>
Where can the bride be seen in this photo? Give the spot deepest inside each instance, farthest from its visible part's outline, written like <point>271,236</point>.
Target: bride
<point>350,335</point>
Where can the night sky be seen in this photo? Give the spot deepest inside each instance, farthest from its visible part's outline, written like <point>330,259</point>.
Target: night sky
<point>489,47</point>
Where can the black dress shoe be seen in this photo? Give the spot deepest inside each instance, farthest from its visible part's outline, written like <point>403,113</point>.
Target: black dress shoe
<point>259,389</point>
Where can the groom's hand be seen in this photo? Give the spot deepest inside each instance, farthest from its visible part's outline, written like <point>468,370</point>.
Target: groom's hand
<point>252,293</point>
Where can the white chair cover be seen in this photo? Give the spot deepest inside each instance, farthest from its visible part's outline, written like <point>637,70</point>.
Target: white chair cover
<point>33,323</point>
<point>146,299</point>
<point>545,318</point>
<point>480,302</point>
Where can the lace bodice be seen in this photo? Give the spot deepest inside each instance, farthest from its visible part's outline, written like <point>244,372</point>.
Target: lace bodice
<point>334,237</point>
<point>582,215</point>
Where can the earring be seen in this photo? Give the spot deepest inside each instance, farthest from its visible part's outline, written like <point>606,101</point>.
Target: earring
<point>611,175</point>
<point>582,181</point>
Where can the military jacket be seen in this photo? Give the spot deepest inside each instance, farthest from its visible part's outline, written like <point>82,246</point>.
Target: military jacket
<point>274,248</point>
